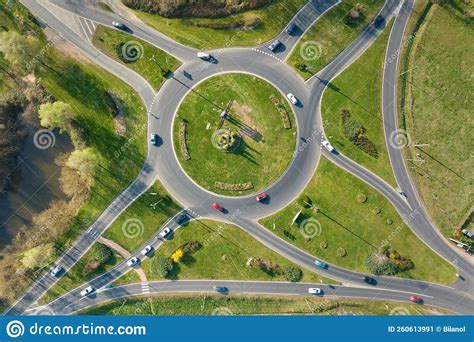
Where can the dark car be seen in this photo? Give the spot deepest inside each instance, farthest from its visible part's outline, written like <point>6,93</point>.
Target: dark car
<point>119,25</point>
<point>379,21</point>
<point>180,219</point>
<point>290,28</point>
<point>370,281</point>
<point>221,289</point>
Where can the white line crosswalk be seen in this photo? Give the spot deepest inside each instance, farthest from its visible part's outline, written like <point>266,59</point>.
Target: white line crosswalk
<point>145,288</point>
<point>268,54</point>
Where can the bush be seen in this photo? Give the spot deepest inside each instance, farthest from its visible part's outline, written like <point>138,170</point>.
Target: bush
<point>380,266</point>
<point>361,198</point>
<point>323,245</point>
<point>341,252</point>
<point>161,265</point>
<point>389,221</point>
<point>102,254</point>
<point>356,133</point>
<point>376,210</point>
<point>293,274</point>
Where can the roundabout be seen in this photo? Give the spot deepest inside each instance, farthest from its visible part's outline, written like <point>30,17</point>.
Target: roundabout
<point>234,134</point>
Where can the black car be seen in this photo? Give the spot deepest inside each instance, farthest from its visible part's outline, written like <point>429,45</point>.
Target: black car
<point>378,22</point>
<point>290,28</point>
<point>119,25</point>
<point>180,219</point>
<point>370,281</point>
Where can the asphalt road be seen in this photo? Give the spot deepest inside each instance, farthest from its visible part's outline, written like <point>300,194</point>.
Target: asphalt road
<point>162,163</point>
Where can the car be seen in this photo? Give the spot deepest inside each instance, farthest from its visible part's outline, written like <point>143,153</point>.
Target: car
<point>119,25</point>
<point>274,45</point>
<point>467,233</point>
<point>292,98</point>
<point>218,207</point>
<point>315,290</point>
<point>415,299</point>
<point>379,20</point>
<point>55,271</point>
<point>328,145</point>
<point>290,28</point>
<point>221,289</point>
<point>87,290</point>
<point>370,281</point>
<point>261,197</point>
<point>154,139</point>
<point>204,56</point>
<point>320,264</point>
<point>133,261</point>
<point>165,232</point>
<point>146,250</point>
<point>180,219</point>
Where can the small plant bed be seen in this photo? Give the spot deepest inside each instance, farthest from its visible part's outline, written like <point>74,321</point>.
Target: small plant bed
<point>147,60</point>
<point>210,250</point>
<point>234,137</point>
<point>283,112</point>
<point>345,232</point>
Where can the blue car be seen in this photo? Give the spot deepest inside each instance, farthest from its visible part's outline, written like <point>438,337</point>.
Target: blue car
<point>320,264</point>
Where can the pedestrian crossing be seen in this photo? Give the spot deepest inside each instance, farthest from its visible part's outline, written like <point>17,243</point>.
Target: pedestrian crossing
<point>85,27</point>
<point>145,288</point>
<point>93,233</point>
<point>268,54</point>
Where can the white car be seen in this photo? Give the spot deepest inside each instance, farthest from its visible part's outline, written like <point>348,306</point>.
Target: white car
<point>315,290</point>
<point>55,271</point>
<point>154,139</point>
<point>133,261</point>
<point>146,250</point>
<point>87,291</point>
<point>292,98</point>
<point>328,145</point>
<point>165,232</point>
<point>204,56</point>
<point>467,233</point>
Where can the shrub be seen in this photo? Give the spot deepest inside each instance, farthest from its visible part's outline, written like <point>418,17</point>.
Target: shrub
<point>268,267</point>
<point>102,253</point>
<point>323,245</point>
<point>293,274</point>
<point>361,198</point>
<point>380,266</point>
<point>376,210</point>
<point>389,221</point>
<point>161,265</point>
<point>341,252</point>
<point>356,133</point>
<point>177,255</point>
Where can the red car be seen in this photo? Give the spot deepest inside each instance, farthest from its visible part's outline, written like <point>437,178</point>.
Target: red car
<point>261,197</point>
<point>218,207</point>
<point>415,299</point>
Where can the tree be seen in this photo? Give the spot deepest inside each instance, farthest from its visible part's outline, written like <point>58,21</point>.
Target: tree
<point>20,51</point>
<point>56,114</point>
<point>84,162</point>
<point>177,255</point>
<point>292,273</point>
<point>161,265</point>
<point>37,256</point>
<point>102,253</point>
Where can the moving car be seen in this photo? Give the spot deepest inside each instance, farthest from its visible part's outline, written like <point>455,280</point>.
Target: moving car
<point>180,219</point>
<point>165,232</point>
<point>327,145</point>
<point>154,139</point>
<point>292,98</point>
<point>261,197</point>
<point>370,281</point>
<point>290,28</point>
<point>221,289</point>
<point>415,299</point>
<point>274,45</point>
<point>315,290</point>
<point>133,261</point>
<point>379,21</point>
<point>87,291</point>
<point>204,56</point>
<point>55,271</point>
<point>119,25</point>
<point>320,264</point>
<point>146,250</point>
<point>217,207</point>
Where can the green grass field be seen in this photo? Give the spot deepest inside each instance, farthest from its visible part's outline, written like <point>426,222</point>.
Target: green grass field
<point>358,89</point>
<point>147,60</point>
<point>331,34</point>
<point>224,254</point>
<point>196,32</point>
<point>142,218</point>
<point>437,111</point>
<point>253,305</point>
<point>342,221</point>
<point>267,146</point>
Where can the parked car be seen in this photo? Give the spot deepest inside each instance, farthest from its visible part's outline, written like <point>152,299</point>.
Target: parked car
<point>146,250</point>
<point>274,45</point>
<point>261,197</point>
<point>87,290</point>
<point>119,25</point>
<point>467,233</point>
<point>415,299</point>
<point>292,98</point>
<point>290,28</point>
<point>218,207</point>
<point>320,264</point>
<point>154,139</point>
<point>204,56</point>
<point>133,261</point>
<point>221,289</point>
<point>315,290</point>
<point>328,145</point>
<point>165,232</point>
<point>55,271</point>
